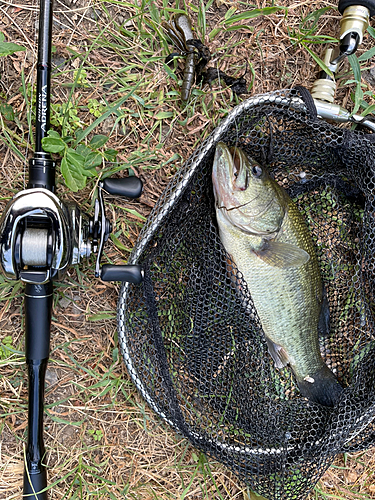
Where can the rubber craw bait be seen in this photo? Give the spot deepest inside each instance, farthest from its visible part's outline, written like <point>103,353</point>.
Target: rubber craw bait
<point>197,55</point>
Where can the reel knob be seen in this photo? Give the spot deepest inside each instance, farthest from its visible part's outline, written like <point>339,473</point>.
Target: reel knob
<point>129,273</point>
<point>129,187</point>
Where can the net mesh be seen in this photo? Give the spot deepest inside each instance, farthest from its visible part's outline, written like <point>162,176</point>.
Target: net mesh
<point>194,345</point>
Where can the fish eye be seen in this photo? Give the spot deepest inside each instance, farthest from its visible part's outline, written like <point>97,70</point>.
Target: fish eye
<point>257,171</point>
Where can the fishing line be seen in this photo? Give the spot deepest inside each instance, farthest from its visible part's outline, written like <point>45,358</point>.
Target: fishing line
<point>32,76</point>
<point>245,204</point>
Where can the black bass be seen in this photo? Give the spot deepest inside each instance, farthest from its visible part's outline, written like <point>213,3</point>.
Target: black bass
<point>267,238</point>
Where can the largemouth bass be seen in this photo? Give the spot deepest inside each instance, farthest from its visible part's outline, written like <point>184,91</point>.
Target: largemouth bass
<point>267,238</point>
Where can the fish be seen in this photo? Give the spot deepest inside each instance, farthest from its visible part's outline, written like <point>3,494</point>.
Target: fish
<point>268,239</point>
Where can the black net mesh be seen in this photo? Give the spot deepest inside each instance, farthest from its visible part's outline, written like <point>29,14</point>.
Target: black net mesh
<point>197,352</point>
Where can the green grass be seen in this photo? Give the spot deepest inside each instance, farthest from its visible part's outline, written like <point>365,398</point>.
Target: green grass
<point>102,440</point>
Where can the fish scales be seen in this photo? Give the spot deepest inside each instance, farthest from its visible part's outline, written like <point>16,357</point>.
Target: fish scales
<point>264,232</point>
<point>288,301</point>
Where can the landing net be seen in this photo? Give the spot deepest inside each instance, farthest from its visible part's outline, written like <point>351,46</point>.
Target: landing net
<point>195,349</point>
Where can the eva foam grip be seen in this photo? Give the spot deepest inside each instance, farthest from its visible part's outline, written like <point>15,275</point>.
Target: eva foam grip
<point>369,4</point>
<point>33,484</point>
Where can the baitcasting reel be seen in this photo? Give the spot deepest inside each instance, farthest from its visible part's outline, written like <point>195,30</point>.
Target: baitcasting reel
<point>42,236</point>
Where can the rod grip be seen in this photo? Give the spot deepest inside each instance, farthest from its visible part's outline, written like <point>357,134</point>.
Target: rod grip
<point>131,187</point>
<point>34,484</point>
<point>38,311</point>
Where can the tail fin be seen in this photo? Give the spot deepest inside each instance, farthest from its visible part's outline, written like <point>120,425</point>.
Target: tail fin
<point>321,387</point>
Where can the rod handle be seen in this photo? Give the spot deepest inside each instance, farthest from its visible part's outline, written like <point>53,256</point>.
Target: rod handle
<point>130,187</point>
<point>34,484</point>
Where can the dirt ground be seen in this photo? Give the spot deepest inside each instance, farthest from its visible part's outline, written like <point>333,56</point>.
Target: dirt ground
<point>102,439</point>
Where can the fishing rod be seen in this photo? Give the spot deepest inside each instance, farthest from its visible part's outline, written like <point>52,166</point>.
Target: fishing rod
<point>41,236</point>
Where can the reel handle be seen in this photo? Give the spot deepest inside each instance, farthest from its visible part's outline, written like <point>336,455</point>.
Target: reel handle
<point>129,187</point>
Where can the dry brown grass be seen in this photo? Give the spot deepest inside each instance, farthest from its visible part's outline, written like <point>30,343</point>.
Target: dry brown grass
<point>102,440</point>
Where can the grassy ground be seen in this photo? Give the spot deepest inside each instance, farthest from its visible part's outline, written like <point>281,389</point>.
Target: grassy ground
<point>109,79</point>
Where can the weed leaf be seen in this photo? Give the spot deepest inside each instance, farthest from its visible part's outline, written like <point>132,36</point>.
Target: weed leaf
<point>83,150</point>
<point>358,95</point>
<point>214,32</point>
<point>202,18</point>
<point>53,133</point>
<point>110,154</point>
<point>101,316</point>
<point>154,12</point>
<point>93,159</point>
<point>118,243</point>
<point>98,141</point>
<point>170,72</point>
<point>75,159</point>
<point>310,22</point>
<point>53,144</point>
<point>368,108</point>
<point>353,60</point>
<point>250,14</point>
<point>9,48</point>
<point>7,111</point>
<point>318,61</point>
<point>71,169</point>
<point>105,115</point>
<point>239,27</point>
<point>367,55</point>
<point>230,13</point>
<point>163,114</point>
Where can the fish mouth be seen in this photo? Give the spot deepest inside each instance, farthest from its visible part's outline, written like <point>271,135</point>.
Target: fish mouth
<point>262,214</point>
<point>237,207</point>
<point>247,228</point>
<point>224,176</point>
<point>252,216</point>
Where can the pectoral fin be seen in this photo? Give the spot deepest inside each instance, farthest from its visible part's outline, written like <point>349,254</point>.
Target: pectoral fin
<point>283,255</point>
<point>278,354</point>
